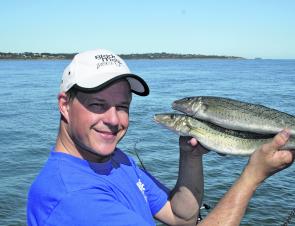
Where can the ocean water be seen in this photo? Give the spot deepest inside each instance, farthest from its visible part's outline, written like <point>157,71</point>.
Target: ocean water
<point>29,121</point>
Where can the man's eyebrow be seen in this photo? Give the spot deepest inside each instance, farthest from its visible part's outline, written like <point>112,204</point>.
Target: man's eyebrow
<point>98,99</point>
<point>126,102</point>
<point>104,101</point>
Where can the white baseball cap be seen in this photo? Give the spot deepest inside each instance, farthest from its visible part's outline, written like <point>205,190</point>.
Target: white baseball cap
<point>95,69</point>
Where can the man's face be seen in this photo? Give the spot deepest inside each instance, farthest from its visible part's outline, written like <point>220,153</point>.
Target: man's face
<point>100,120</point>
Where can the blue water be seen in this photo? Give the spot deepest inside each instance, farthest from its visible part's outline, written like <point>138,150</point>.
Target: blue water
<point>29,121</point>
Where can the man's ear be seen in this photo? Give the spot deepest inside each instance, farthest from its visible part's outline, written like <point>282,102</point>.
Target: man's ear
<point>63,104</point>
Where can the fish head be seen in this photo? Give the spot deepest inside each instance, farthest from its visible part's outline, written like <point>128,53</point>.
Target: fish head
<point>174,122</point>
<point>188,105</point>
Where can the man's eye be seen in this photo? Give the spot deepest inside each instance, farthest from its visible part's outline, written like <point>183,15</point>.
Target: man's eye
<point>97,107</point>
<point>123,107</point>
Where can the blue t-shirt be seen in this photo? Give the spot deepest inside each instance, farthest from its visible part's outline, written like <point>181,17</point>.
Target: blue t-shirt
<point>73,191</point>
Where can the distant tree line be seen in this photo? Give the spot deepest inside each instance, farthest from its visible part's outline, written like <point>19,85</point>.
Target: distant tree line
<point>29,55</point>
<point>163,55</point>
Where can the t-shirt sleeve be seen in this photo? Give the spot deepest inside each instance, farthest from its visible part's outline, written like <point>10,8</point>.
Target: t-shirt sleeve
<point>91,208</point>
<point>156,192</point>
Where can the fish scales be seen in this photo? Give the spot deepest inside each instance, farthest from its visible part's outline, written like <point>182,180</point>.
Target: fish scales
<point>237,133</point>
<point>236,115</point>
<point>215,138</point>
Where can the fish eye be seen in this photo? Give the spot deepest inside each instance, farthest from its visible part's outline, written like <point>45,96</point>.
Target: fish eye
<point>171,116</point>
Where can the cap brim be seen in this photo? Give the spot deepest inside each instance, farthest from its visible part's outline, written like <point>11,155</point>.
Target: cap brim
<point>137,84</point>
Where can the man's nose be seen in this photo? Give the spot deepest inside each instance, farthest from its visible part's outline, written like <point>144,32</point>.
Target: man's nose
<point>111,116</point>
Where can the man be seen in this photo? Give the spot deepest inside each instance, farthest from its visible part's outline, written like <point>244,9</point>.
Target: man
<point>87,180</point>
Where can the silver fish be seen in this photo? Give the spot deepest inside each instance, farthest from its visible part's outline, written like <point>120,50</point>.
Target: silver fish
<point>236,115</point>
<point>216,138</point>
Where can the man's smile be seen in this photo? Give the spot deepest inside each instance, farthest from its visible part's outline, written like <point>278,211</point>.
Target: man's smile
<point>106,134</point>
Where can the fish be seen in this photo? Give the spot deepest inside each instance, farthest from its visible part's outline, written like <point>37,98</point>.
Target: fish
<point>236,115</point>
<point>221,140</point>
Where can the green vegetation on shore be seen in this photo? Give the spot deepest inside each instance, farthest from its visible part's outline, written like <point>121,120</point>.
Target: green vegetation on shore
<point>163,55</point>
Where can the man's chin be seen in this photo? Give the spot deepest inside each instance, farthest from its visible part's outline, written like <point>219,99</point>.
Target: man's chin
<point>95,151</point>
<point>103,148</point>
<point>96,155</point>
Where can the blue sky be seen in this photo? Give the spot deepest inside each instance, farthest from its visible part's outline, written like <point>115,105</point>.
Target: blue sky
<point>246,28</point>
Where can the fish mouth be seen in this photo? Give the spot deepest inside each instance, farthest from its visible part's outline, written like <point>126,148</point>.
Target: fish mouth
<point>174,105</point>
<point>164,116</point>
<point>182,106</point>
<point>161,119</point>
<point>155,118</point>
<point>158,118</point>
<point>177,105</point>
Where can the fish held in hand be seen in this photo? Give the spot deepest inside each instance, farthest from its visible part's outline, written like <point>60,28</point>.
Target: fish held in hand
<point>236,115</point>
<point>215,138</point>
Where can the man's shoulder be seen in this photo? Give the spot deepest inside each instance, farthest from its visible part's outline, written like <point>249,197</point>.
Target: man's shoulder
<point>52,178</point>
<point>48,181</point>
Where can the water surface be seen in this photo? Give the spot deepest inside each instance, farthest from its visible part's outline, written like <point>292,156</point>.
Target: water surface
<point>29,121</point>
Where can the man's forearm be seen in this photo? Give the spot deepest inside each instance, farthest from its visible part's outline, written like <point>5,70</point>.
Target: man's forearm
<point>263,163</point>
<point>187,195</point>
<point>233,205</point>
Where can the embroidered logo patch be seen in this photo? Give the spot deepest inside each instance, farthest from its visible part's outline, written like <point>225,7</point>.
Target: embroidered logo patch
<point>140,186</point>
<point>107,59</point>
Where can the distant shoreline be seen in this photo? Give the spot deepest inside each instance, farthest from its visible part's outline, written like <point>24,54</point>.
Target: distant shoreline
<point>150,56</point>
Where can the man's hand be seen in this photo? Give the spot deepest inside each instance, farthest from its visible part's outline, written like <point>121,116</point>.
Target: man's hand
<point>191,146</point>
<point>268,159</point>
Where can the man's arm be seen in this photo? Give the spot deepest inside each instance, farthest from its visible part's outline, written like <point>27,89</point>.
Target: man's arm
<point>263,163</point>
<point>187,195</point>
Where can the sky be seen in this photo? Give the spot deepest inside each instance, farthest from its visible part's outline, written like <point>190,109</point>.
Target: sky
<point>245,28</point>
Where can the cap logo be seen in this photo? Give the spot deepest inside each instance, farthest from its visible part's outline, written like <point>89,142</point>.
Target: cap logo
<point>107,59</point>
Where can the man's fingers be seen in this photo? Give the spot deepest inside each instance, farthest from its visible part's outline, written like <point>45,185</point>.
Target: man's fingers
<point>287,156</point>
<point>188,140</point>
<point>192,145</point>
<point>193,141</point>
<point>280,139</point>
